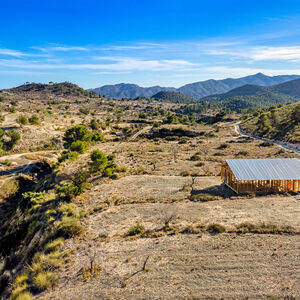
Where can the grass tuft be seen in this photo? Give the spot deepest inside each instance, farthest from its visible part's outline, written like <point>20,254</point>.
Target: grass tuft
<point>44,280</point>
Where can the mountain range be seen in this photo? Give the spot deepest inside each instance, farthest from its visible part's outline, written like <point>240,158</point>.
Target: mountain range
<point>289,89</point>
<point>196,90</point>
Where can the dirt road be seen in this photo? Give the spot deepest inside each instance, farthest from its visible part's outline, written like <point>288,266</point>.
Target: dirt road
<point>145,129</point>
<point>287,146</point>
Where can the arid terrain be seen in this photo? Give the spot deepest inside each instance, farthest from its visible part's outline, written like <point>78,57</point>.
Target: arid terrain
<point>165,227</point>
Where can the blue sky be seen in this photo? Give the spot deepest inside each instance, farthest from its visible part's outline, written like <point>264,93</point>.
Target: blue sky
<point>165,42</point>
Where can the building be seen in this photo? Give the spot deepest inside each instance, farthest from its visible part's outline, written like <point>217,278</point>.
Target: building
<point>262,175</point>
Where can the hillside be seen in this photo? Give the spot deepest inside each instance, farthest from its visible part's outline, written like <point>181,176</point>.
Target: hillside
<point>57,89</point>
<point>174,97</point>
<point>196,90</point>
<point>288,90</point>
<point>279,123</point>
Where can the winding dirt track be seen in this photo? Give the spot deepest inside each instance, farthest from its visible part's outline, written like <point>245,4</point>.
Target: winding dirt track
<point>287,146</point>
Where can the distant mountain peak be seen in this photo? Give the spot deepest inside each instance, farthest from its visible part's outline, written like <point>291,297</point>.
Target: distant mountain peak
<point>196,90</point>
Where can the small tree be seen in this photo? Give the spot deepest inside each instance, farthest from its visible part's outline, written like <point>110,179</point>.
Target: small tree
<point>76,133</point>
<point>76,187</point>
<point>99,161</point>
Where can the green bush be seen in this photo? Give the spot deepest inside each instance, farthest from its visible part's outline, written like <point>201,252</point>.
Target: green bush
<point>136,229</point>
<point>76,133</point>
<point>34,120</point>
<point>97,137</point>
<point>79,146</point>
<point>107,172</point>
<point>76,187</point>
<point>99,161</point>
<point>14,137</point>
<point>71,155</point>
<point>22,120</point>
<point>69,226</point>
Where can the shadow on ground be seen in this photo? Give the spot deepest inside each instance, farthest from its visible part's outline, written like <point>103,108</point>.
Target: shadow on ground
<point>214,191</point>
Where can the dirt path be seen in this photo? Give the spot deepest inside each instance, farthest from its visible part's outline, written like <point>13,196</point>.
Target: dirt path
<point>140,132</point>
<point>287,146</point>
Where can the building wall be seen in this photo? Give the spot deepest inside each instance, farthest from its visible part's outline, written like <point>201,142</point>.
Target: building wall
<point>257,186</point>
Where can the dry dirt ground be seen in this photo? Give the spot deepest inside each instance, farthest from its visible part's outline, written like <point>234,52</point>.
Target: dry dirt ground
<point>187,267</point>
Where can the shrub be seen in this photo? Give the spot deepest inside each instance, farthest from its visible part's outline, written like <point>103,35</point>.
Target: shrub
<point>68,209</point>
<point>216,228</point>
<point>34,119</point>
<point>136,229</point>
<point>25,296</point>
<point>22,120</point>
<point>107,172</point>
<point>265,144</point>
<point>243,153</point>
<point>84,111</point>
<point>94,124</point>
<point>76,133</point>
<point>71,155</point>
<point>195,157</point>
<point>99,161</point>
<point>183,140</point>
<point>76,187</point>
<point>20,279</point>
<point>223,146</point>
<point>79,146</point>
<point>200,164</point>
<point>55,244</point>
<point>18,290</point>
<point>184,173</point>
<point>14,137</point>
<point>44,280</point>
<point>245,227</point>
<point>69,226</point>
<point>97,137</point>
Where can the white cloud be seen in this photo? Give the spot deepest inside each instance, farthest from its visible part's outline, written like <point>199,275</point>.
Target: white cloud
<point>61,48</point>
<point>259,53</point>
<point>10,52</point>
<point>136,46</point>
<point>276,53</point>
<point>118,64</point>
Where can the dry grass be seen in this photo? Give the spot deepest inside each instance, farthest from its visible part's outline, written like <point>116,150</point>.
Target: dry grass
<point>45,280</point>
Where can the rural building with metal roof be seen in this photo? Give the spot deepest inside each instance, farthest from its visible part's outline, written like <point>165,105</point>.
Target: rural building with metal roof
<point>262,175</point>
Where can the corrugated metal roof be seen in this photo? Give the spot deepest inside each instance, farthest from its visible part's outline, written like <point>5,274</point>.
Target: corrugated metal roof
<point>265,169</point>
